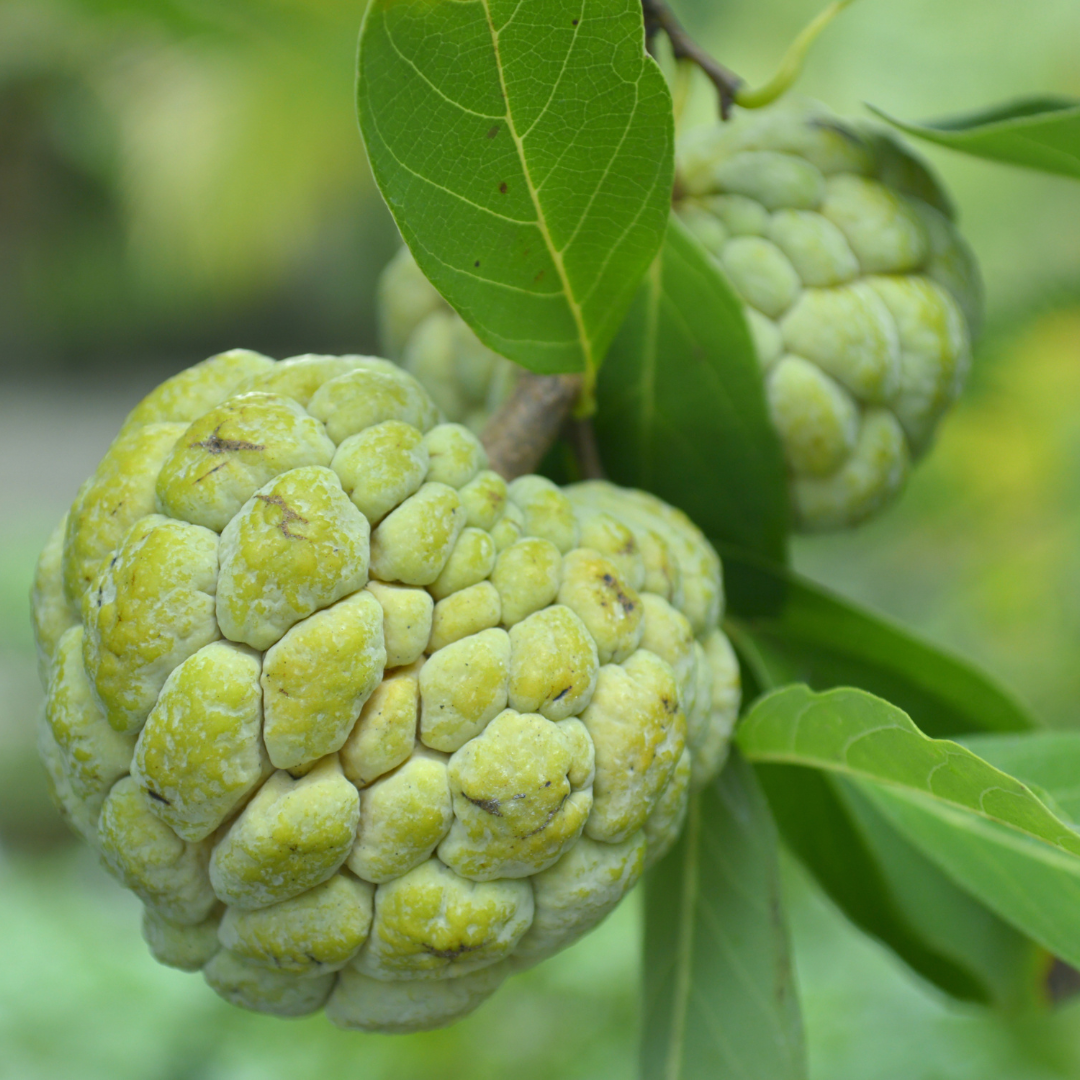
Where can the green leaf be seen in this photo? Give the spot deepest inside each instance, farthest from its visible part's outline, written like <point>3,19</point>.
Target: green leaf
<point>1034,886</point>
<point>1038,132</point>
<point>1006,965</point>
<point>682,407</point>
<point>982,827</point>
<point>854,734</point>
<point>719,988</point>
<point>1047,761</point>
<point>790,630</point>
<point>895,894</point>
<point>525,151</point>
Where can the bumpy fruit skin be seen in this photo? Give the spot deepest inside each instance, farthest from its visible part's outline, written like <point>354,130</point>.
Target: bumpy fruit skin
<point>361,724</point>
<point>861,296</point>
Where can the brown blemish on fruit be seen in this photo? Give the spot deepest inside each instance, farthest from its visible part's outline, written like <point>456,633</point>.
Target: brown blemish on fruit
<point>450,954</point>
<point>489,806</point>
<point>211,472</point>
<point>625,602</point>
<point>288,515</point>
<point>215,444</point>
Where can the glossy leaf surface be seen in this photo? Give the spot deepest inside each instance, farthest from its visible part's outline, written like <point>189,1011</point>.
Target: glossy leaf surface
<point>525,151</point>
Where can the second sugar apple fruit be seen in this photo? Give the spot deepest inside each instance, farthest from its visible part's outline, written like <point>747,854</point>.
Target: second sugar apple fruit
<point>861,296</point>
<point>361,724</point>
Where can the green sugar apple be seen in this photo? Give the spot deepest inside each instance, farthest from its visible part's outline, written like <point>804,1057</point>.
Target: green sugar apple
<point>861,296</point>
<point>363,725</point>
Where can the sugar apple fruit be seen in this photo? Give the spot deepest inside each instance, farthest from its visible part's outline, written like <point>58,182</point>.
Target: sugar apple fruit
<point>361,724</point>
<point>861,296</point>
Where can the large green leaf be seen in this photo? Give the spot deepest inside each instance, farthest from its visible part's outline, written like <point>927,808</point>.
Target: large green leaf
<point>886,887</point>
<point>525,151</point>
<point>719,989</point>
<point>793,630</point>
<point>682,408</point>
<point>1037,132</point>
<point>982,827</point>
<point>1047,761</point>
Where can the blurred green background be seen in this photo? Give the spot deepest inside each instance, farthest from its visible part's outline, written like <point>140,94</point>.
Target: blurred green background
<point>182,176</point>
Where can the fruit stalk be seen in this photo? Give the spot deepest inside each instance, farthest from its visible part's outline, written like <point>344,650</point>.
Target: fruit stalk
<point>522,430</point>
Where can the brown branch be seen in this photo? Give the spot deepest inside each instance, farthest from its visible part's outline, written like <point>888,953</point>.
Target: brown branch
<point>1062,982</point>
<point>658,16</point>
<point>582,438</point>
<point>524,427</point>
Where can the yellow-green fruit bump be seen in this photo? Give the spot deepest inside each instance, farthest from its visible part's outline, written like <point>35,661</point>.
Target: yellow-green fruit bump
<point>189,948</point>
<point>120,492</point>
<point>611,610</point>
<point>385,733</point>
<point>226,455</point>
<point>297,545</point>
<point>403,816</point>
<point>462,688</point>
<point>80,814</point>
<point>639,732</point>
<point>861,295</point>
<point>553,664</point>
<point>361,1003</point>
<point>515,811</point>
<point>381,466</point>
<point>261,989</point>
<point>576,893</point>
<point>150,608</point>
<point>463,613</point>
<point>293,835</point>
<point>664,823</point>
<point>200,751</point>
<point>527,575</point>
<point>411,545</point>
<point>165,872</point>
<point>455,455</point>
<point>314,933</point>
<point>50,612</point>
<point>431,923</point>
<point>318,676</point>
<point>367,396</point>
<point>407,617</point>
<point>93,755</point>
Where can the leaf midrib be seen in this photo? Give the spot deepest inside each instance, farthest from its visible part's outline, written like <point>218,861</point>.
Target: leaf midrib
<point>541,219</point>
<point>845,769</point>
<point>685,944</point>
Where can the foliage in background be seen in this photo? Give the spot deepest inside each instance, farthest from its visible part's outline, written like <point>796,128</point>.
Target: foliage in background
<point>228,279</point>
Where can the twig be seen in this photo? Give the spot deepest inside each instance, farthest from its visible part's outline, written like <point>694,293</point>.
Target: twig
<point>524,427</point>
<point>658,16</point>
<point>582,437</point>
<point>1062,982</point>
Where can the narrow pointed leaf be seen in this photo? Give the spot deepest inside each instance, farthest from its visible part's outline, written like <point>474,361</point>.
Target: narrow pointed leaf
<point>682,407</point>
<point>797,631</point>
<point>525,151</point>
<point>1047,761</point>
<point>985,829</point>
<point>1034,886</point>
<point>887,887</point>
<point>1038,132</point>
<point>854,734</point>
<point>719,988</point>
